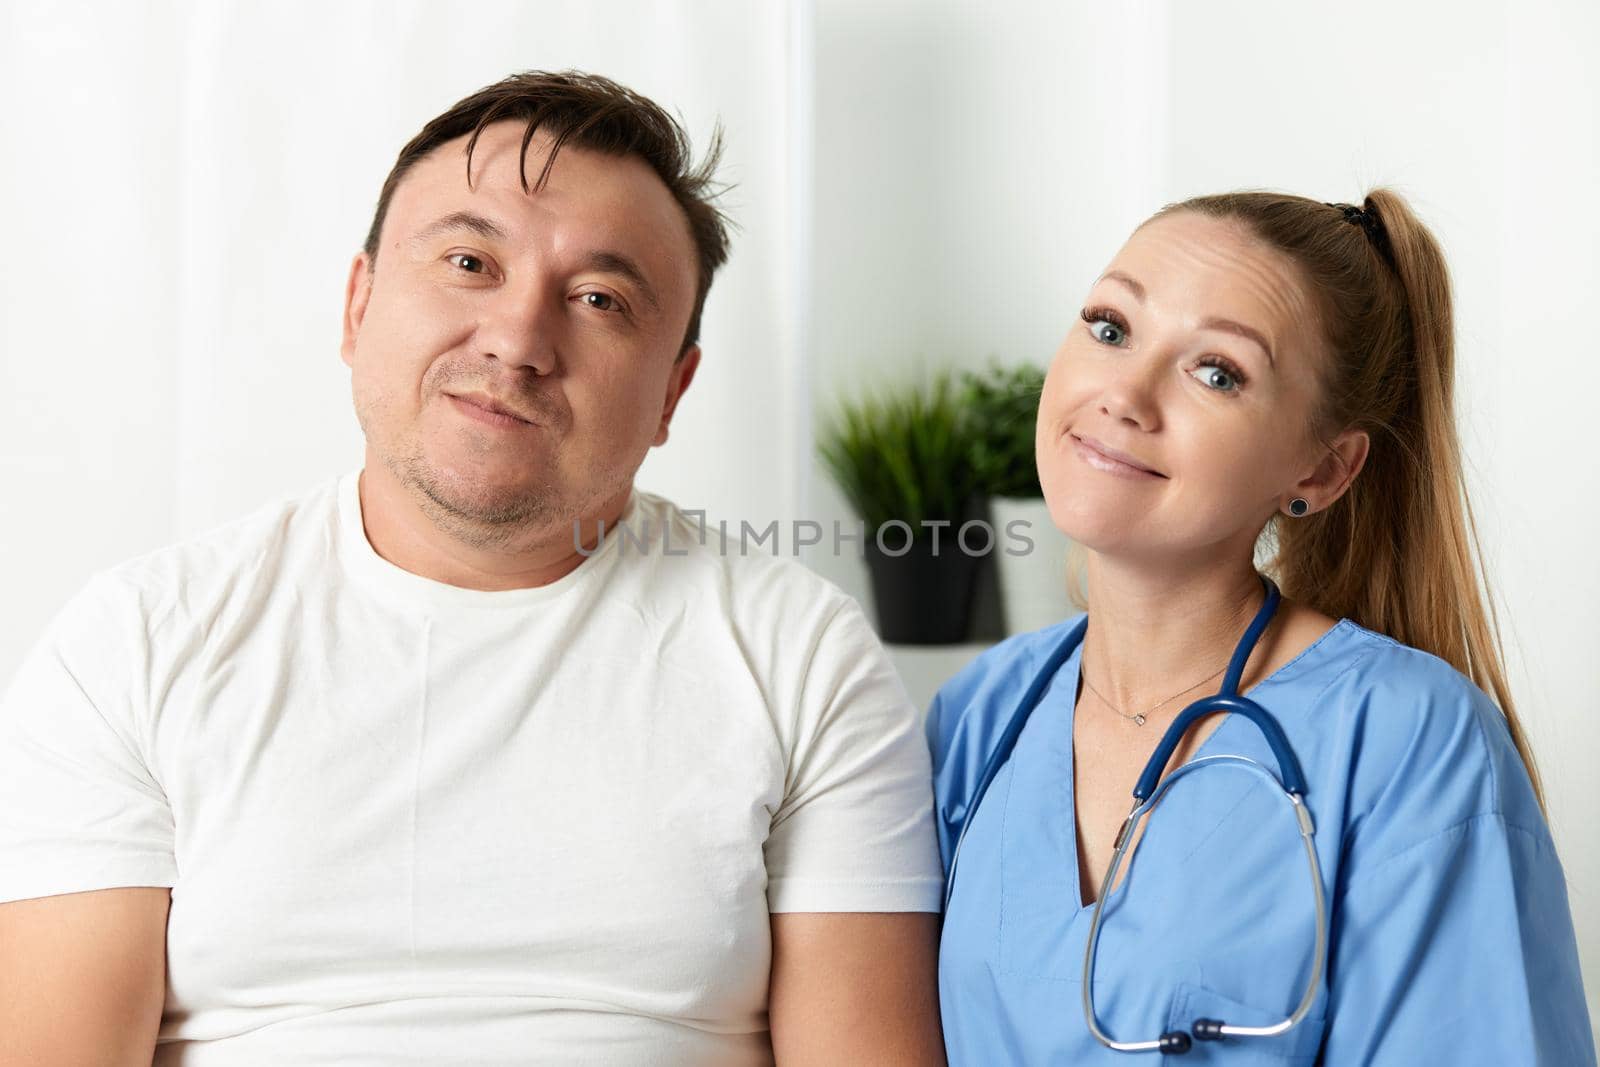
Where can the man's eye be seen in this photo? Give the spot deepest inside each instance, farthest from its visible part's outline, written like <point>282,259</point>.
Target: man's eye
<point>601,301</point>
<point>467,262</point>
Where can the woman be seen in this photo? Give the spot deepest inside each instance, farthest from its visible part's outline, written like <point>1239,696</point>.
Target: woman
<point>1256,362</point>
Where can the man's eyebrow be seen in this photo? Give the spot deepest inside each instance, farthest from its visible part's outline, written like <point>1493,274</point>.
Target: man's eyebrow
<point>608,262</point>
<point>463,220</point>
<point>1247,332</point>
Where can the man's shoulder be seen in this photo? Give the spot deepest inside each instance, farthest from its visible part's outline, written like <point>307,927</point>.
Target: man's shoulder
<point>248,548</point>
<point>747,563</point>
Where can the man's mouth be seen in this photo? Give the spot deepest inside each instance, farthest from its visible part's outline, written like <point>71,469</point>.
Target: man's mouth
<point>486,408</point>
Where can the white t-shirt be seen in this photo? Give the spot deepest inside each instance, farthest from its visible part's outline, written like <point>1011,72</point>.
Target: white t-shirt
<point>405,822</point>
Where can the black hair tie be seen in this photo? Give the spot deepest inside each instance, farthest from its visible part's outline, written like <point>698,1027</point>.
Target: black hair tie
<point>1371,225</point>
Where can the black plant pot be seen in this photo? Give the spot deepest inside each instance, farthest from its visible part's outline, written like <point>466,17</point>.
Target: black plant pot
<point>922,598</point>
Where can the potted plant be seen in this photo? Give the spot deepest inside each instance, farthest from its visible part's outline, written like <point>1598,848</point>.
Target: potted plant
<point>1002,407</point>
<point>904,460</point>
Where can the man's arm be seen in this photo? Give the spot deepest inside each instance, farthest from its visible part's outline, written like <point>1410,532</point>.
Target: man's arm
<point>853,987</point>
<point>83,978</point>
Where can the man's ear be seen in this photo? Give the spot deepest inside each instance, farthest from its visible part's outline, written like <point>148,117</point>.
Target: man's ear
<point>677,383</point>
<point>357,291</point>
<point>1337,469</point>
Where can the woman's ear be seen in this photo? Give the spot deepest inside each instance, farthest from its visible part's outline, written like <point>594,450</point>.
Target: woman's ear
<point>1338,467</point>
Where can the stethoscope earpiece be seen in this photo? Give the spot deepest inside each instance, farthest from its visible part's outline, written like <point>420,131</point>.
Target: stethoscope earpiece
<point>1177,1042</point>
<point>1174,1043</point>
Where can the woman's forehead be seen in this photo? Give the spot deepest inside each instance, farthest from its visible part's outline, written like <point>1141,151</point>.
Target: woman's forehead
<point>1195,265</point>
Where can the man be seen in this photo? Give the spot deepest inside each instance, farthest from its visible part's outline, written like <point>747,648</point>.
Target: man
<point>425,767</point>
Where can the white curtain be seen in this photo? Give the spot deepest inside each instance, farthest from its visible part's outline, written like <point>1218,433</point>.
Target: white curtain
<point>186,182</point>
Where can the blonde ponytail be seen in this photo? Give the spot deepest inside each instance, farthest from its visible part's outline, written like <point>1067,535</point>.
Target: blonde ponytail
<point>1399,552</point>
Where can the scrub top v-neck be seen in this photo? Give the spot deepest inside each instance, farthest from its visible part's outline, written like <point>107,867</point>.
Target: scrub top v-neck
<point>1214,917</point>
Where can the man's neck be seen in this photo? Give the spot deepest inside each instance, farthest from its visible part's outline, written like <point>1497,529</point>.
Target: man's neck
<point>400,530</point>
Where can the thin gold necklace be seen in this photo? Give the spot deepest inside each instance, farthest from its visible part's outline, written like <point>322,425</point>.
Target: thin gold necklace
<point>1139,719</point>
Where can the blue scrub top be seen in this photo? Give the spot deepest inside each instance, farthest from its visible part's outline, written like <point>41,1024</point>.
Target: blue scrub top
<point>1450,936</point>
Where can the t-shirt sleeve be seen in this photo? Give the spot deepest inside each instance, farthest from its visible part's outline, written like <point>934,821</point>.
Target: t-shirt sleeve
<point>855,829</point>
<point>934,735</point>
<point>79,807</point>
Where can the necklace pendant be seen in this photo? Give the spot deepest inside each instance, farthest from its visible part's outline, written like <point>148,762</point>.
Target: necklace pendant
<point>1138,720</point>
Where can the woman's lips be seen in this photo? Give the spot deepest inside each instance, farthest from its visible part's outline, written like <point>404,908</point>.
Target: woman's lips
<point>1102,458</point>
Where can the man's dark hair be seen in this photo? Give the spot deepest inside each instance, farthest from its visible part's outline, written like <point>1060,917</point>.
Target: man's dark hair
<point>598,114</point>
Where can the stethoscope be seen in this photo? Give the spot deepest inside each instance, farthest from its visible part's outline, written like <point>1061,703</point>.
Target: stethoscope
<point>1145,796</point>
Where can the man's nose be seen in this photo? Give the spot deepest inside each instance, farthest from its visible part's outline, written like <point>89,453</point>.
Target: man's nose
<point>520,329</point>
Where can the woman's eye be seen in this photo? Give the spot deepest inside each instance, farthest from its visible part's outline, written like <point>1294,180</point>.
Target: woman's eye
<point>1107,332</point>
<point>1214,377</point>
<point>601,301</point>
<point>1105,326</point>
<point>467,262</point>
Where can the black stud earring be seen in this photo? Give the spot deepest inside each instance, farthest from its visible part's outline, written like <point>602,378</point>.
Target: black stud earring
<point>1298,507</point>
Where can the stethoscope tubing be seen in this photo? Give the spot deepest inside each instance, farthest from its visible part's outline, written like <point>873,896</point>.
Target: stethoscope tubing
<point>1150,788</point>
<point>1124,843</point>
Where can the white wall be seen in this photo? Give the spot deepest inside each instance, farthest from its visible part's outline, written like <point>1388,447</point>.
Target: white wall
<point>977,166</point>
<point>186,183</point>
<point>965,195</point>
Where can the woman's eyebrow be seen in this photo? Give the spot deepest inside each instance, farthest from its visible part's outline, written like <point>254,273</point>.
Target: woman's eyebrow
<point>1249,333</point>
<point>1133,286</point>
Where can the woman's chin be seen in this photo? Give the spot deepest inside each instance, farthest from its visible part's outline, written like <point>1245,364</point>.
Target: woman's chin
<point>1092,527</point>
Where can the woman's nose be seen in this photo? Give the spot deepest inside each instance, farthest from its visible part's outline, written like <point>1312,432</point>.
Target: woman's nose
<point>1130,394</point>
